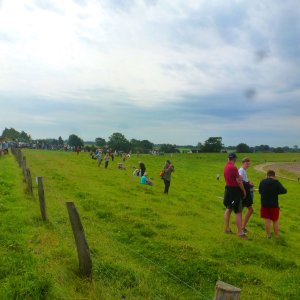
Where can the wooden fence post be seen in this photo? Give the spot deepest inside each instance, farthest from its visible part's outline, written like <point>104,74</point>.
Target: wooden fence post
<point>85,262</point>
<point>23,166</point>
<point>42,198</point>
<point>29,181</point>
<point>19,158</point>
<point>225,291</point>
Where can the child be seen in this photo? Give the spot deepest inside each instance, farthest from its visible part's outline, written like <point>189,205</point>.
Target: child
<point>144,180</point>
<point>269,190</point>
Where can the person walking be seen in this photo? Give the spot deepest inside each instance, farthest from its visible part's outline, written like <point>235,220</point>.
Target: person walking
<point>106,160</point>
<point>269,190</point>
<point>99,157</point>
<point>167,171</point>
<point>234,193</point>
<point>248,201</point>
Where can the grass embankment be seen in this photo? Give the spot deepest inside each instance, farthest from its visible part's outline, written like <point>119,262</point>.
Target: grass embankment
<point>144,244</point>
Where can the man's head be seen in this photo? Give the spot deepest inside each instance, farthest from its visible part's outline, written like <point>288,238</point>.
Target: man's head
<point>271,174</point>
<point>246,162</point>
<point>232,157</point>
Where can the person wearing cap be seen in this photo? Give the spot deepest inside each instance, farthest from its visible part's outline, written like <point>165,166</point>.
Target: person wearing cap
<point>234,193</point>
<point>248,201</point>
<point>167,171</point>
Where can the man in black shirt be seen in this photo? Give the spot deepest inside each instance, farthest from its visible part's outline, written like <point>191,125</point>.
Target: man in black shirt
<point>269,190</point>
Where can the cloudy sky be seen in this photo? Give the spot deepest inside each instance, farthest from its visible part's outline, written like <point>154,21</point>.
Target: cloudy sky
<point>170,71</point>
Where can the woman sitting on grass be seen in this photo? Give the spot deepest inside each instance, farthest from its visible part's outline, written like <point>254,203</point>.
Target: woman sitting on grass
<point>145,180</point>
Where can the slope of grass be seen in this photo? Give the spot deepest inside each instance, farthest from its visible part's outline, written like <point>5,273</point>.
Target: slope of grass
<point>144,244</point>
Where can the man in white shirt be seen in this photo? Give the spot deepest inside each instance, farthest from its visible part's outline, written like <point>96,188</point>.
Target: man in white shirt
<point>248,201</point>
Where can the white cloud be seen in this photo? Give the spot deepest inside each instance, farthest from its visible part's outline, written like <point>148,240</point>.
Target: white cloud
<point>150,55</point>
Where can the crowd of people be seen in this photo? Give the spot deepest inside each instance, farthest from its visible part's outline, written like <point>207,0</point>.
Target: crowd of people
<point>239,194</point>
<point>3,148</point>
<point>238,190</point>
<point>107,154</point>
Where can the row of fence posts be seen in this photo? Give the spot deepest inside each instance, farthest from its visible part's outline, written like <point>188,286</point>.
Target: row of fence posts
<point>84,257</point>
<point>223,291</point>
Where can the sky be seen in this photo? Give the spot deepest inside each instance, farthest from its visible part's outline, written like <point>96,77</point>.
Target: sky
<point>169,71</point>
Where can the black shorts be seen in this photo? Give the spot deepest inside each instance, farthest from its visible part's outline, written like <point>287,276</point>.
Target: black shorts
<point>233,198</point>
<point>248,201</point>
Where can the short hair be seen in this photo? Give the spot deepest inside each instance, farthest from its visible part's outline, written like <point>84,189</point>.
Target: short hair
<point>271,173</point>
<point>246,159</point>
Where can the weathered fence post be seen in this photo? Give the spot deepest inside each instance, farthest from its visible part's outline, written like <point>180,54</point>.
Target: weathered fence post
<point>85,262</point>
<point>23,166</point>
<point>19,155</point>
<point>29,181</point>
<point>225,291</point>
<point>42,198</point>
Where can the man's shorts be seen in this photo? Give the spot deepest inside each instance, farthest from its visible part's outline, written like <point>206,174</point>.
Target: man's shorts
<point>248,201</point>
<point>233,199</point>
<point>271,213</point>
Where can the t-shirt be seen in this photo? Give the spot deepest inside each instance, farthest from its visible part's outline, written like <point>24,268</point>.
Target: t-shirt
<point>231,174</point>
<point>269,190</point>
<point>243,174</point>
<point>143,179</point>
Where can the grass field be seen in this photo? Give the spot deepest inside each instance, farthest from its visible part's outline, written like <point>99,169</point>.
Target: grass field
<point>144,244</point>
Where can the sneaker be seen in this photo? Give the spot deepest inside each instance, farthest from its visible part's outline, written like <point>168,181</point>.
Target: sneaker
<point>228,231</point>
<point>244,236</point>
<point>245,230</point>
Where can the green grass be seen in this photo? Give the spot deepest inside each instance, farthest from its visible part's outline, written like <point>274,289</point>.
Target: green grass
<point>144,244</point>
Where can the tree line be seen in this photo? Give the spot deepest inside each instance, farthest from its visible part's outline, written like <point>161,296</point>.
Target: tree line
<point>117,141</point>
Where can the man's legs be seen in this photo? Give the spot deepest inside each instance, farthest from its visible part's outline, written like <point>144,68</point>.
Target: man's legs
<point>227,219</point>
<point>247,216</point>
<point>267,226</point>
<point>276,228</point>
<point>238,222</point>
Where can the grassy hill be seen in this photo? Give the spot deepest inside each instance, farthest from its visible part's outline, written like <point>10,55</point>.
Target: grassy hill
<point>144,244</point>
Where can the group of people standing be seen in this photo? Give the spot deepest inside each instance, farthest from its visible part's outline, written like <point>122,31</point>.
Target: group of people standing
<point>239,194</point>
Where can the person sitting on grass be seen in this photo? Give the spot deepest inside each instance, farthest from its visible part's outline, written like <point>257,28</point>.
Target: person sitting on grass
<point>145,180</point>
<point>269,190</point>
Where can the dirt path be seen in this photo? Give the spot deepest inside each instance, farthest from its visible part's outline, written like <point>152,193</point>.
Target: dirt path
<point>279,167</point>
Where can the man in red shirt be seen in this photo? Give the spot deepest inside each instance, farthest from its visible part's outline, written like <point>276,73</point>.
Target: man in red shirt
<point>234,193</point>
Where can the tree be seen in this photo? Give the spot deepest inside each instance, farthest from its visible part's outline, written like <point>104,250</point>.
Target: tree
<point>213,144</point>
<point>117,141</point>
<point>168,148</point>
<point>278,150</point>
<point>75,141</point>
<point>263,148</point>
<point>199,146</point>
<point>60,141</point>
<point>243,148</point>
<point>143,146</point>
<point>100,142</point>
<point>24,137</point>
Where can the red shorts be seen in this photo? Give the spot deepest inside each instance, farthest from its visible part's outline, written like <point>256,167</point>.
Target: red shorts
<point>271,213</point>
